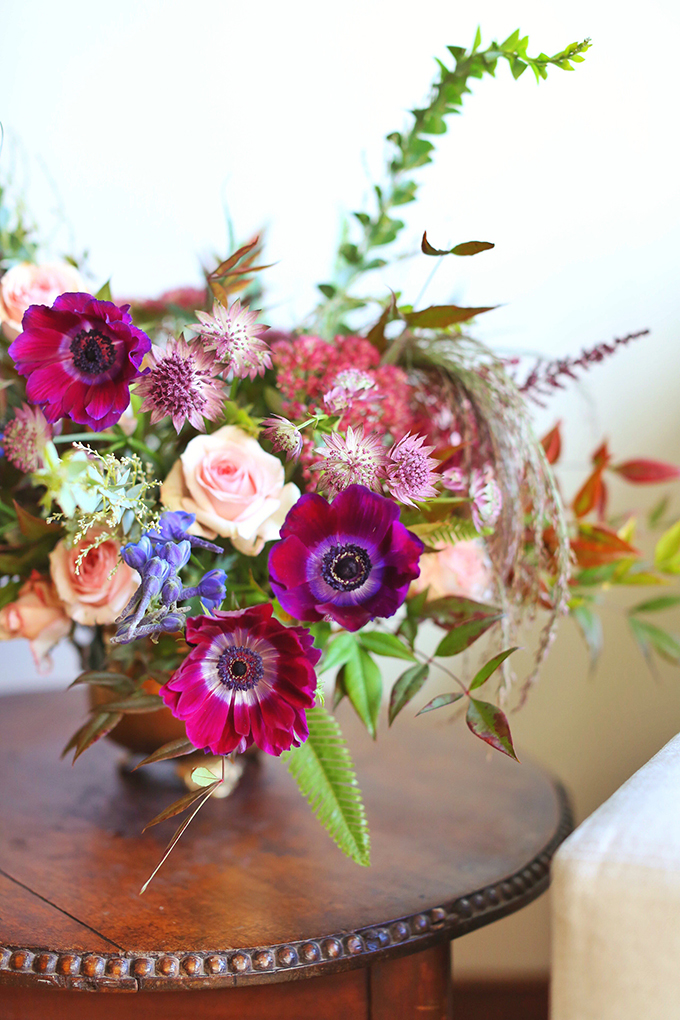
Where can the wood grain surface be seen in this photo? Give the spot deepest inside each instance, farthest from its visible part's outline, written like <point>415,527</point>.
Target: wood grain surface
<point>255,892</point>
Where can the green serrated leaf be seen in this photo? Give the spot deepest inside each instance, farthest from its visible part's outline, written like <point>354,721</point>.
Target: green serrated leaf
<point>324,772</point>
<point>339,651</point>
<point>406,688</point>
<point>363,683</point>
<point>441,701</point>
<point>489,724</point>
<point>463,635</point>
<point>490,667</point>
<point>385,644</point>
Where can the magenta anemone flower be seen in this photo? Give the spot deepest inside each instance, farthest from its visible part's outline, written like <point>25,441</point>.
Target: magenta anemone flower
<point>79,358</point>
<point>248,680</point>
<point>350,560</point>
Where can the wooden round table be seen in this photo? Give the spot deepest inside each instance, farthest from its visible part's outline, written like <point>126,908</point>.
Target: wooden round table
<point>256,913</point>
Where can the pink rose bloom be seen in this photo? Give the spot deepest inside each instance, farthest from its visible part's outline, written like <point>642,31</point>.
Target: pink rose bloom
<point>458,568</point>
<point>37,614</point>
<point>94,594</point>
<point>233,486</point>
<point>28,284</point>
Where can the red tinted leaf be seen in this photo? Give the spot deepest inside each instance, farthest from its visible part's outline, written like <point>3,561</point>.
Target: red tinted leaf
<point>455,609</point>
<point>489,724</point>
<point>552,444</point>
<point>440,316</point>
<point>589,495</point>
<point>441,701</point>
<point>602,456</point>
<point>463,635</point>
<point>645,472</point>
<point>597,545</point>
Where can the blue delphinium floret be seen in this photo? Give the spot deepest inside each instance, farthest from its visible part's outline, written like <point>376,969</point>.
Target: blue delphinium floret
<point>158,557</point>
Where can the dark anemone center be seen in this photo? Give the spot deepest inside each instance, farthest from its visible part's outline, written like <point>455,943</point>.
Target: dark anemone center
<point>93,352</point>
<point>240,668</point>
<point>346,567</point>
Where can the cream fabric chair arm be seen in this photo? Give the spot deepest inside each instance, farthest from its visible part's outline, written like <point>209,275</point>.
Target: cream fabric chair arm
<point>616,903</point>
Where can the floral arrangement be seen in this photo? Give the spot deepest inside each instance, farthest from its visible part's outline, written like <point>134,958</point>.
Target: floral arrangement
<point>217,513</point>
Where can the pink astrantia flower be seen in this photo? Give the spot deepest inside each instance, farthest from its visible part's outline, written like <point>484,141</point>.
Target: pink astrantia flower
<point>181,383</point>
<point>25,437</point>
<point>410,473</point>
<point>354,458</point>
<point>236,338</point>
<point>79,358</point>
<point>349,385</point>
<point>284,436</point>
<point>247,680</point>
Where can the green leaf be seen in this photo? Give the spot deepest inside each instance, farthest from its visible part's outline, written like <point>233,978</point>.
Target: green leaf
<point>136,704</point>
<point>667,552</point>
<point>324,772</point>
<point>489,724</point>
<point>406,687</point>
<point>657,511</point>
<point>9,592</point>
<point>104,292</point>
<point>363,684</point>
<point>590,626</point>
<point>339,690</point>
<point>452,610</point>
<point>35,529</point>
<point>490,667</point>
<point>654,605</point>
<point>385,644</point>
<point>327,289</point>
<point>663,643</point>
<point>464,634</point>
<point>467,248</point>
<point>104,679</point>
<point>339,651</point>
<point>183,803</point>
<point>440,316</point>
<point>173,749</point>
<point>94,729</point>
<point>441,701</point>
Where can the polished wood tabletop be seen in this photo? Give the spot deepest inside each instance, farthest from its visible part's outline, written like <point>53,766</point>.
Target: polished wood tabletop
<point>255,894</point>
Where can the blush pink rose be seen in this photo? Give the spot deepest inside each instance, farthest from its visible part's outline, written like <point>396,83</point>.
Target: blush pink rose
<point>93,594</point>
<point>37,614</point>
<point>235,488</point>
<point>27,284</point>
<point>458,568</point>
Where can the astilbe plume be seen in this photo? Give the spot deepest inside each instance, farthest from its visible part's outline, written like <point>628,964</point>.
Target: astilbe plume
<point>548,376</point>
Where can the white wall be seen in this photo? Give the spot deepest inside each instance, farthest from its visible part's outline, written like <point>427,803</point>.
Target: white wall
<point>148,119</point>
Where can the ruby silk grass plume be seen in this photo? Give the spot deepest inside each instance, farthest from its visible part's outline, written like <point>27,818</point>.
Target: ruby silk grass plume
<point>496,425</point>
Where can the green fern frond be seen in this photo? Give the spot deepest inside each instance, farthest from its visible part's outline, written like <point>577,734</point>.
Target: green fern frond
<point>456,529</point>
<point>324,772</point>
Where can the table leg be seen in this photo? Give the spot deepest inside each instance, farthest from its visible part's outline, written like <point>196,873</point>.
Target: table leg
<point>410,987</point>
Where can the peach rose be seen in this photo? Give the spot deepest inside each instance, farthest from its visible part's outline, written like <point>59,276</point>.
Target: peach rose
<point>27,284</point>
<point>94,594</point>
<point>458,568</point>
<point>235,488</point>
<point>37,614</point>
